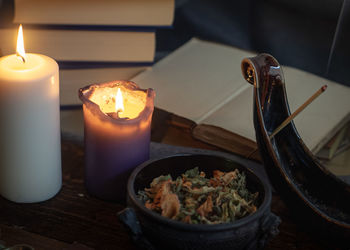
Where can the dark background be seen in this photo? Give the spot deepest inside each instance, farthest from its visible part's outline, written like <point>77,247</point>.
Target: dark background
<point>298,33</point>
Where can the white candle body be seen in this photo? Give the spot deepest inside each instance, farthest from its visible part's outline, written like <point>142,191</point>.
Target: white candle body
<point>30,148</point>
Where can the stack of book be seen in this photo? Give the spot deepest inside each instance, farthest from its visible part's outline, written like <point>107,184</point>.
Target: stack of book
<point>93,41</point>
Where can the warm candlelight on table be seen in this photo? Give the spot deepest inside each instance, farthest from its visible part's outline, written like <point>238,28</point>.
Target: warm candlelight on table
<point>117,125</point>
<point>30,151</point>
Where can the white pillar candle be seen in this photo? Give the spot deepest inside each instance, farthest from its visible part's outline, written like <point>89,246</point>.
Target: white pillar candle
<point>30,150</point>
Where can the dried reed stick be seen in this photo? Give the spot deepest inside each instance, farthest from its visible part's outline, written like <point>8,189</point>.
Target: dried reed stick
<point>296,112</point>
<point>293,115</point>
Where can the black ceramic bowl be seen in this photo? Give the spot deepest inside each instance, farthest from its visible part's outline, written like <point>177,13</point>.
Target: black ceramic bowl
<point>250,232</point>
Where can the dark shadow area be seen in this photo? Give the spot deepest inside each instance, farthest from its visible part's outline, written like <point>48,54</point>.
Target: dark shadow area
<point>298,33</point>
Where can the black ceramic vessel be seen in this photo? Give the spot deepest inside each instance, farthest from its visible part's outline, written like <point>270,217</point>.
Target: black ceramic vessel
<point>318,199</point>
<point>156,231</point>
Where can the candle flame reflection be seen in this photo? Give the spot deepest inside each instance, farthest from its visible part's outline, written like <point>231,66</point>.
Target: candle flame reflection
<point>20,44</point>
<point>119,106</point>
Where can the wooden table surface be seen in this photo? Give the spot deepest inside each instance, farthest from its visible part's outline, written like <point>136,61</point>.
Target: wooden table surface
<point>75,220</point>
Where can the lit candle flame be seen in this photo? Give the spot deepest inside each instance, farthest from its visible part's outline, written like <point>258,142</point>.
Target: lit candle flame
<point>20,45</point>
<point>119,106</point>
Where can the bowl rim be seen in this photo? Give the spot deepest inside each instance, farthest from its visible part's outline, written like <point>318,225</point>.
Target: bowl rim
<point>262,209</point>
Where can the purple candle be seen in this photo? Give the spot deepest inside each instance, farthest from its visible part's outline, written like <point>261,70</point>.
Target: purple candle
<point>117,128</point>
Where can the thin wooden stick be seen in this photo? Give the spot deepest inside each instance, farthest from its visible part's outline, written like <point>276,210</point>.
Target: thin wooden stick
<point>292,116</point>
<point>296,112</point>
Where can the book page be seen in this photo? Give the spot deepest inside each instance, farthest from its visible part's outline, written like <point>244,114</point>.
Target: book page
<point>236,115</point>
<point>319,121</point>
<point>196,79</point>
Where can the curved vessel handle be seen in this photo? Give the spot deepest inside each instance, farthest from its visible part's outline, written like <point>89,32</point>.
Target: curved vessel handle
<point>260,68</point>
<point>265,73</point>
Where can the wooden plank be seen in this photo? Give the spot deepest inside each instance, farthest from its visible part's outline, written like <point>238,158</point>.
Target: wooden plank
<point>13,235</point>
<point>74,216</point>
<point>293,236</point>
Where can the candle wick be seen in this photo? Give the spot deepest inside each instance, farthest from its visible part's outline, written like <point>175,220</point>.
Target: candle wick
<point>23,59</point>
<point>120,111</point>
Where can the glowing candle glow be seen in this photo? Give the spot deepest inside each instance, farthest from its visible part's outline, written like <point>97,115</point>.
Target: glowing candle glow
<point>30,150</point>
<point>117,123</point>
<point>20,44</point>
<point>119,104</point>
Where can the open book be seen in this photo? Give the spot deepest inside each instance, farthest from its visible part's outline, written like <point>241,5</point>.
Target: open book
<point>202,81</point>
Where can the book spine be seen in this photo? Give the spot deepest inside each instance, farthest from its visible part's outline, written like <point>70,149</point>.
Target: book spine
<point>96,65</point>
<point>5,25</point>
